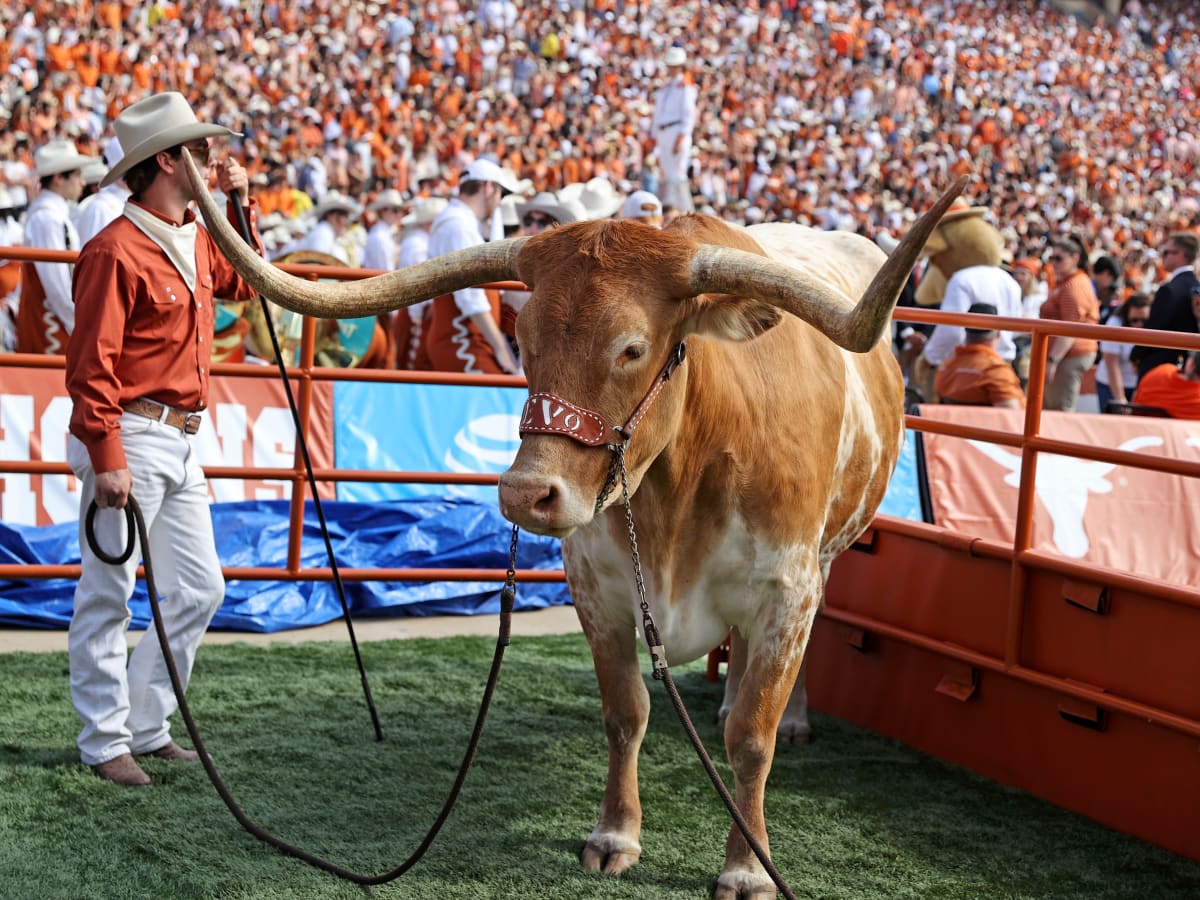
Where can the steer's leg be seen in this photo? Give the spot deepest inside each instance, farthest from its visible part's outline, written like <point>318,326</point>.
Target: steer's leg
<point>776,649</point>
<point>793,726</point>
<point>613,846</point>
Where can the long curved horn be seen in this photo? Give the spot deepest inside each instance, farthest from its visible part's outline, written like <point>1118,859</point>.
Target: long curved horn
<point>495,261</point>
<point>724,270</point>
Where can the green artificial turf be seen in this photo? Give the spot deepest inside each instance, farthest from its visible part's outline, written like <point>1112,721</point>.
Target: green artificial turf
<point>852,815</point>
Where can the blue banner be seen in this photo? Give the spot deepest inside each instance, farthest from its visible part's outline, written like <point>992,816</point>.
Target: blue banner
<point>424,428</point>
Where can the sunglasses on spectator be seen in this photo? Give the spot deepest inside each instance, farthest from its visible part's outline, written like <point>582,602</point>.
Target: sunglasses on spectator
<point>1056,257</point>
<point>532,220</point>
<point>1138,320</point>
<point>200,152</point>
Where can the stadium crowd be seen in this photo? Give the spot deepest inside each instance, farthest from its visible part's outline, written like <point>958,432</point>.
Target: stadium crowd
<point>840,113</point>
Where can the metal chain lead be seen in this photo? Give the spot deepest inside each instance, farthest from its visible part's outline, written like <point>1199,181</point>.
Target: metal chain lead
<point>661,671</point>
<point>658,653</point>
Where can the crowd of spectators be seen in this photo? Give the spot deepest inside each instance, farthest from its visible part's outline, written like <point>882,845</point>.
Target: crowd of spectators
<point>847,113</point>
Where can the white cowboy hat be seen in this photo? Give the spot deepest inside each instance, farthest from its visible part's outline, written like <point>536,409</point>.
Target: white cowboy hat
<point>59,156</point>
<point>94,171</point>
<point>561,211</point>
<point>676,56</point>
<point>113,151</point>
<point>389,199</point>
<point>334,202</point>
<point>157,123</point>
<point>571,191</point>
<point>600,198</point>
<point>641,205</point>
<point>486,170</point>
<point>424,212</point>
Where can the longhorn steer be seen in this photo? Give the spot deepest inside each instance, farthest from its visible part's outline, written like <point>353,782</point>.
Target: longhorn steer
<point>761,459</point>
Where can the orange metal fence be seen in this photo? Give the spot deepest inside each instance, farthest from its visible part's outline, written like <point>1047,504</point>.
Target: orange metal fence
<point>306,374</point>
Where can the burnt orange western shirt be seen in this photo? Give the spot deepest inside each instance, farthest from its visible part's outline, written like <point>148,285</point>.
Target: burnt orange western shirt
<point>140,332</point>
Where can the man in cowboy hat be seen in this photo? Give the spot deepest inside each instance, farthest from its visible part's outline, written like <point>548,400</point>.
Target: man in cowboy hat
<point>46,315</point>
<point>672,125</point>
<point>332,216</point>
<point>464,330</point>
<point>97,210</point>
<point>544,211</point>
<point>138,374</point>
<point>380,249</point>
<point>409,325</point>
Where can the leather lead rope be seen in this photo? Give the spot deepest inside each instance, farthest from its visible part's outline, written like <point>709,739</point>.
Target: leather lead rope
<point>244,228</point>
<point>508,594</point>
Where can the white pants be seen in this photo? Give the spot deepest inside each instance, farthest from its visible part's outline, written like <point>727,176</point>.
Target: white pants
<point>124,705</point>
<point>674,187</point>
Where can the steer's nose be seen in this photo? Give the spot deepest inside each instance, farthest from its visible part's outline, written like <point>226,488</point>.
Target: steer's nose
<point>533,502</point>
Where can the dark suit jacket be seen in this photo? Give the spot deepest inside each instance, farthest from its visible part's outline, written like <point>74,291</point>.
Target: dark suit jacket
<point>1171,311</point>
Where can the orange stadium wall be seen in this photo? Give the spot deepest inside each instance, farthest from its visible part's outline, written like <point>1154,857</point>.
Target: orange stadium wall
<point>248,424</point>
<point>1073,679</point>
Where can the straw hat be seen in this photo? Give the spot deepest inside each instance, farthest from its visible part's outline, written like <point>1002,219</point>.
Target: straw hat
<point>960,209</point>
<point>425,211</point>
<point>59,156</point>
<point>389,199</point>
<point>155,124</point>
<point>561,211</point>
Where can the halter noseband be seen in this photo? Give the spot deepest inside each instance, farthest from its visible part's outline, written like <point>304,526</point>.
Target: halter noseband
<point>548,413</point>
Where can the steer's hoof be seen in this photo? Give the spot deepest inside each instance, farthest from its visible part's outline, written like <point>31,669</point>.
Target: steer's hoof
<point>743,885</point>
<point>794,731</point>
<point>609,853</point>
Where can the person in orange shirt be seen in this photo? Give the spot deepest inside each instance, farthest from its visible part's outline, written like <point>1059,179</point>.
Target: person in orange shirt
<point>1167,388</point>
<point>1072,300</point>
<point>138,376</point>
<point>976,374</point>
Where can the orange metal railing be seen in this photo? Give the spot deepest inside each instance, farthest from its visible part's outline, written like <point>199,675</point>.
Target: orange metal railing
<point>304,375</point>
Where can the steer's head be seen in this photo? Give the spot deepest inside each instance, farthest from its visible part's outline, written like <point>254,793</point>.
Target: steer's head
<point>610,302</point>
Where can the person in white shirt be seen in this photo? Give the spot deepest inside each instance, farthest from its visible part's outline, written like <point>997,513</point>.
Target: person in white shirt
<point>464,330</point>
<point>333,215</point>
<point>100,208</point>
<point>409,325</point>
<point>380,250</point>
<point>46,315</point>
<point>975,284</point>
<point>672,125</point>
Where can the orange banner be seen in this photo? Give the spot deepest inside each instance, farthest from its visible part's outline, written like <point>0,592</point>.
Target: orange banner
<point>247,424</point>
<point>1116,516</point>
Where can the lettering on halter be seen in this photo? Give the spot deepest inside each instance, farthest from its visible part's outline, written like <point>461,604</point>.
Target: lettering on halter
<point>547,413</point>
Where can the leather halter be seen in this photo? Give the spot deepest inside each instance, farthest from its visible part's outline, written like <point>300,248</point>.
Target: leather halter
<point>548,413</point>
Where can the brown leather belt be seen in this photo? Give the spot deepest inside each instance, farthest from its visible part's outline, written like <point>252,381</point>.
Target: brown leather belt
<point>188,423</point>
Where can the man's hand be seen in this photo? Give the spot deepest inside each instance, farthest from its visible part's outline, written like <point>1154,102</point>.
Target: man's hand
<point>112,488</point>
<point>232,177</point>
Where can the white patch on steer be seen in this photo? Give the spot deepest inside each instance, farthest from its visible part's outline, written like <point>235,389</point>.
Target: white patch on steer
<point>737,580</point>
<point>859,438</point>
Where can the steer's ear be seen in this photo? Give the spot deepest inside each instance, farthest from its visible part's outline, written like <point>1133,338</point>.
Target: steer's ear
<point>730,318</point>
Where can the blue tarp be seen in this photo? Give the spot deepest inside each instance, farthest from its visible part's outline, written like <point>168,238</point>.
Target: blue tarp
<point>422,533</point>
